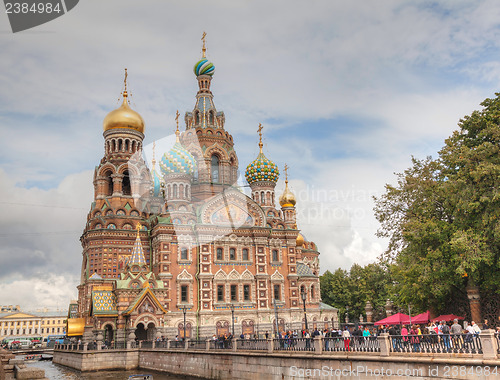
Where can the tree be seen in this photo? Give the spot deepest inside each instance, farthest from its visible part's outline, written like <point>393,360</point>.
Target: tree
<point>353,289</point>
<point>442,216</point>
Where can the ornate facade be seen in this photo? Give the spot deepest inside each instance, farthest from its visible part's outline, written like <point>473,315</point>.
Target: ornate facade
<point>186,237</point>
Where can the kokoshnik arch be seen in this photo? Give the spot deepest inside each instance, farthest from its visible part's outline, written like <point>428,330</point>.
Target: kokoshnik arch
<point>186,236</point>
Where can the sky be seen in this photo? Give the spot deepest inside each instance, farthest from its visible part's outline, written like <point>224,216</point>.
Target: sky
<point>347,92</point>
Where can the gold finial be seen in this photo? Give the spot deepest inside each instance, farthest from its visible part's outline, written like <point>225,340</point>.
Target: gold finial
<point>260,136</point>
<point>204,49</point>
<point>125,89</point>
<point>138,228</point>
<point>177,133</point>
<point>286,173</point>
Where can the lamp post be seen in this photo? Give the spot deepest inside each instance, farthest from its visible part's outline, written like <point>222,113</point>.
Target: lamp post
<point>304,296</point>
<point>231,306</point>
<point>276,318</point>
<point>184,308</point>
<point>346,315</point>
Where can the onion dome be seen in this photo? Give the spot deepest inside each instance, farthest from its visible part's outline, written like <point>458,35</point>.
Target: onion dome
<point>299,242</point>
<point>177,160</point>
<point>204,67</point>
<point>262,169</point>
<point>287,199</point>
<point>124,116</point>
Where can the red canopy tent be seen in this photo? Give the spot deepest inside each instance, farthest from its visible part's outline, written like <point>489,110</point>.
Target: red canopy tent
<point>421,318</point>
<point>395,319</point>
<point>447,318</point>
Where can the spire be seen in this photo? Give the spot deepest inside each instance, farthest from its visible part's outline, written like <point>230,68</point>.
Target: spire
<point>137,251</point>
<point>204,49</point>
<point>262,169</point>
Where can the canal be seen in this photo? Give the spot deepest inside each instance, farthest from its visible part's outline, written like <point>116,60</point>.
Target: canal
<point>57,372</point>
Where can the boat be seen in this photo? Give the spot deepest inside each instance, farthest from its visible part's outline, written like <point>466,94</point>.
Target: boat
<point>140,377</point>
<point>33,357</point>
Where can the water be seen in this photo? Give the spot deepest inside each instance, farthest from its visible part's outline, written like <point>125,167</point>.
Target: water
<point>57,372</point>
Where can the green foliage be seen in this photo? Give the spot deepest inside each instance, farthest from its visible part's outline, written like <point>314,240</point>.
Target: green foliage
<point>442,217</point>
<point>353,289</point>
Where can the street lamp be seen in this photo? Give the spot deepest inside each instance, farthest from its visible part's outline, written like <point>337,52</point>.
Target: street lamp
<point>304,296</point>
<point>276,318</point>
<point>347,314</point>
<point>184,308</point>
<point>231,306</point>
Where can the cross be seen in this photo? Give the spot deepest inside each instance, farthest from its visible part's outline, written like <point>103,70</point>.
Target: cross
<point>260,130</point>
<point>177,114</point>
<point>138,228</point>
<point>286,172</point>
<point>203,39</point>
<point>125,80</point>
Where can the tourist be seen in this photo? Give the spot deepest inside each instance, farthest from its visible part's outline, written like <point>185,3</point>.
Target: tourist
<point>307,336</point>
<point>404,333</point>
<point>267,334</point>
<point>456,334</point>
<point>475,328</point>
<point>415,339</point>
<point>326,335</point>
<point>445,334</point>
<point>346,335</point>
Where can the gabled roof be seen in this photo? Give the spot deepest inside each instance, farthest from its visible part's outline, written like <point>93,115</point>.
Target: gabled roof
<point>140,297</point>
<point>303,270</point>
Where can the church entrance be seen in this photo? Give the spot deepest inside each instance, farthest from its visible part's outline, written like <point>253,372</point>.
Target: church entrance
<point>108,334</point>
<point>247,328</point>
<point>151,331</point>
<point>140,332</point>
<point>222,328</point>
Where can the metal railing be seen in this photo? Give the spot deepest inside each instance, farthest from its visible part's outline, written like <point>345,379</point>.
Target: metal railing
<point>497,335</point>
<point>252,344</point>
<point>356,344</point>
<point>197,344</point>
<point>221,344</point>
<point>436,344</point>
<point>293,344</point>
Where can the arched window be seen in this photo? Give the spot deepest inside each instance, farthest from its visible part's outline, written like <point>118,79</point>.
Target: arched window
<point>232,254</point>
<point>175,191</point>
<point>312,292</point>
<point>126,188</point>
<point>215,168</point>
<point>109,184</point>
<point>275,255</point>
<point>184,254</point>
<point>219,254</point>
<point>262,198</point>
<point>181,190</point>
<point>245,254</point>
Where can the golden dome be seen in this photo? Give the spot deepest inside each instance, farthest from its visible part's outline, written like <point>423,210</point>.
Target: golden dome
<point>300,240</point>
<point>124,117</point>
<point>287,199</point>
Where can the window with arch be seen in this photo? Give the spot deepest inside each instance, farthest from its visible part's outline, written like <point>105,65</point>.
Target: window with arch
<point>277,292</point>
<point>108,189</point>
<point>275,256</point>
<point>184,254</point>
<point>312,292</point>
<point>215,168</point>
<point>262,198</point>
<point>244,254</point>
<point>184,293</point>
<point>126,187</point>
<point>232,254</point>
<point>220,255</point>
<point>175,191</point>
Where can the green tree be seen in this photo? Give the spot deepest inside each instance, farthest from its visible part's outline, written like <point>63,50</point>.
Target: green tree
<point>442,216</point>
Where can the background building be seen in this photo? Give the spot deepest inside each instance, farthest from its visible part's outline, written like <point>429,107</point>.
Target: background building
<point>185,238</point>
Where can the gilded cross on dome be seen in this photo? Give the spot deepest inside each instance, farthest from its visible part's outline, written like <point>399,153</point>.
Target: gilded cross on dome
<point>177,114</point>
<point>260,136</point>
<point>286,173</point>
<point>125,80</point>
<point>138,228</point>
<point>204,49</point>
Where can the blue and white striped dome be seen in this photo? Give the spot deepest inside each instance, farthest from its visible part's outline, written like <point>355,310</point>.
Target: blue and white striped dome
<point>177,160</point>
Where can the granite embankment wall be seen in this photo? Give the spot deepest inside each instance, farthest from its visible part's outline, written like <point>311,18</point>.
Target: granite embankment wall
<point>252,365</point>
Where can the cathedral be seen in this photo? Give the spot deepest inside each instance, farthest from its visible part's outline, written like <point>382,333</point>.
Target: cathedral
<point>176,246</point>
